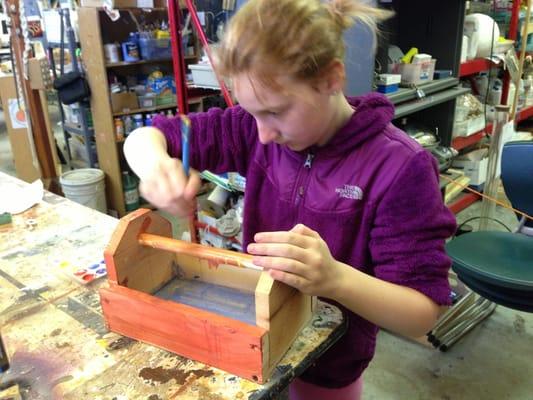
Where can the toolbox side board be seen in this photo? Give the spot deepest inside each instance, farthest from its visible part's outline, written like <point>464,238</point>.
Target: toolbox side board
<point>213,339</point>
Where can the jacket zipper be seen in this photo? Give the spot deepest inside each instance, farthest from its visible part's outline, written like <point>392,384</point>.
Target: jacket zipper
<point>301,182</point>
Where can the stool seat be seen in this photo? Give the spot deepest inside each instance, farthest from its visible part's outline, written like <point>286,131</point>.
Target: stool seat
<point>496,258</point>
<point>506,298</point>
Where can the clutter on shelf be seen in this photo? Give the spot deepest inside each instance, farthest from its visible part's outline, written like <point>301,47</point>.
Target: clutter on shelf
<point>469,115</point>
<point>220,211</point>
<point>414,67</point>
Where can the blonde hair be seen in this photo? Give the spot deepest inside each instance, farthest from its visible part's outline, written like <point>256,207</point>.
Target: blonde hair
<point>296,38</point>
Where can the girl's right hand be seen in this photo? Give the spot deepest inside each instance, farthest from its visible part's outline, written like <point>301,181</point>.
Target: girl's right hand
<point>169,189</point>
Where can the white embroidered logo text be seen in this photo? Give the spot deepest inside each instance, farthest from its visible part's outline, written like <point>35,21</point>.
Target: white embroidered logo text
<point>350,192</point>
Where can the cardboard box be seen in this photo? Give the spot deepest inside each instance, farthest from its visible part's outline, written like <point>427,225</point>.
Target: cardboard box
<point>389,79</point>
<point>468,126</point>
<point>204,76</point>
<point>124,101</point>
<point>474,165</point>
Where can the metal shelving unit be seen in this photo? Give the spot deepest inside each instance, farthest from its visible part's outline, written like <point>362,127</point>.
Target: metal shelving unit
<point>82,130</point>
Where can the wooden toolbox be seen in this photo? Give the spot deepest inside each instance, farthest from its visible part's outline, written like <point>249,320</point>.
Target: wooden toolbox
<point>207,304</point>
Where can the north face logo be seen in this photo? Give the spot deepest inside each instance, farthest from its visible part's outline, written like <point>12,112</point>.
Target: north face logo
<point>350,192</point>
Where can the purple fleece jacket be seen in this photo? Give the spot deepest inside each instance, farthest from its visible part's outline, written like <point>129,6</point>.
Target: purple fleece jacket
<point>371,192</point>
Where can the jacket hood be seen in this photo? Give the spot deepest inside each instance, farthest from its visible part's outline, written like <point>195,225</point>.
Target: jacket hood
<point>373,112</point>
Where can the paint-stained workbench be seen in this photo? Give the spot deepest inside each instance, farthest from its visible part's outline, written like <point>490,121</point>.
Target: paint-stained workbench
<point>55,335</point>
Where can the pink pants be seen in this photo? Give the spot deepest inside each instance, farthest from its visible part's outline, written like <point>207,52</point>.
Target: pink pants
<point>300,390</point>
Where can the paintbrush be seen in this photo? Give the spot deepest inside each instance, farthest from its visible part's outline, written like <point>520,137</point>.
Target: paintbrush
<point>185,136</point>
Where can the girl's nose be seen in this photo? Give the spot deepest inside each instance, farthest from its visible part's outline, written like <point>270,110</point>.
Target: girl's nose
<point>266,133</point>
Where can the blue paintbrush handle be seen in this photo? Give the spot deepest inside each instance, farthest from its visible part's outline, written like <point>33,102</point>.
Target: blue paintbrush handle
<point>185,136</point>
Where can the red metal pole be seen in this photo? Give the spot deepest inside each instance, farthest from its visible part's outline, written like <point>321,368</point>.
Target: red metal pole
<point>178,59</point>
<point>205,44</point>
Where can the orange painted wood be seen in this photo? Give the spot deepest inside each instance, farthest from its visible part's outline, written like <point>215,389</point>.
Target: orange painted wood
<point>215,255</point>
<point>231,345</point>
<point>133,265</point>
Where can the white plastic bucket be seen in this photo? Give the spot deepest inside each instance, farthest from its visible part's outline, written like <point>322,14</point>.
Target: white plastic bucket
<point>85,186</point>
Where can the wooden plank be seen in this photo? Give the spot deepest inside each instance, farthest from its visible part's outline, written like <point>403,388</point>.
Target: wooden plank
<point>212,254</point>
<point>135,266</point>
<point>34,107</point>
<point>25,167</point>
<point>270,295</point>
<point>106,147</point>
<point>190,267</point>
<point>51,138</point>
<point>224,343</point>
<point>285,326</point>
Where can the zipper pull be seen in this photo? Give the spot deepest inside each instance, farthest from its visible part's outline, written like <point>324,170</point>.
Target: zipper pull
<point>309,160</point>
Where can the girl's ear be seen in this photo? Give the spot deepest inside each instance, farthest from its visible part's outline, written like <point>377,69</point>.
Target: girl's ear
<point>332,79</point>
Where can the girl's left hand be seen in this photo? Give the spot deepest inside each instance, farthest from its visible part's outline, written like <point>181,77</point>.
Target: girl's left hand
<point>300,258</point>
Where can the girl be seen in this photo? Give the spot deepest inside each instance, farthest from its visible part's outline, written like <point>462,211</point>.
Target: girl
<point>339,203</point>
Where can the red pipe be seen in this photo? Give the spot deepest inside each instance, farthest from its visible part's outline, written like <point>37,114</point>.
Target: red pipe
<point>178,59</point>
<point>205,45</point>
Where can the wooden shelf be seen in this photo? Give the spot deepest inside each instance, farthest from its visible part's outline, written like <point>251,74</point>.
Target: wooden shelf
<point>141,62</point>
<point>475,66</point>
<point>193,100</point>
<point>144,110</point>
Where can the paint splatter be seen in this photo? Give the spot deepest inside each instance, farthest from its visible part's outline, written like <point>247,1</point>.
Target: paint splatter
<point>118,344</point>
<point>55,332</point>
<point>162,375</point>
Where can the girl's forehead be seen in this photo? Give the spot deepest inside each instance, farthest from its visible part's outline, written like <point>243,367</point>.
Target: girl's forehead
<point>250,89</point>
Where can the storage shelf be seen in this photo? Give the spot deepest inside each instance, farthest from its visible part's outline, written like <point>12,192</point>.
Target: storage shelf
<point>406,94</point>
<point>141,62</point>
<point>75,129</point>
<point>193,100</point>
<point>475,66</point>
<point>428,101</point>
<point>144,110</point>
<point>461,142</point>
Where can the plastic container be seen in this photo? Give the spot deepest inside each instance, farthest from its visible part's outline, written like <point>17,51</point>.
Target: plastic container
<point>203,76</point>
<point>130,51</point>
<point>413,73</point>
<point>152,49</point>
<point>138,121</point>
<point>85,186</point>
<point>147,100</point>
<point>131,191</point>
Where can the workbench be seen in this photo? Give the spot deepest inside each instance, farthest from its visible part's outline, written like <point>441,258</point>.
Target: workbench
<point>56,338</point>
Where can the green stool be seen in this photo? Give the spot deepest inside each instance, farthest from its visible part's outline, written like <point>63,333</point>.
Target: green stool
<point>499,265</point>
